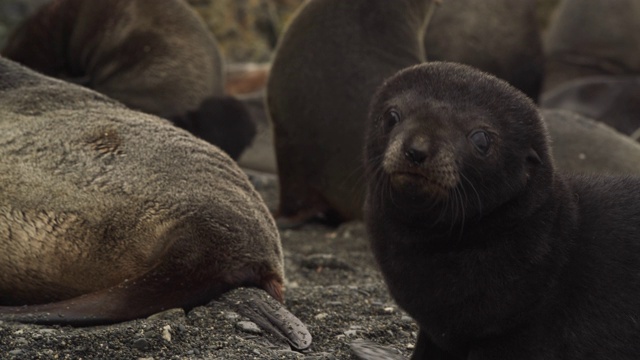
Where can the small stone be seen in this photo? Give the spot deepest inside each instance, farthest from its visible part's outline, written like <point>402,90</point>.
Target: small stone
<point>141,344</point>
<point>16,352</point>
<point>145,358</point>
<point>389,310</point>
<point>248,327</point>
<point>231,315</point>
<point>351,332</point>
<point>406,319</point>
<point>48,331</point>
<point>321,316</point>
<point>171,314</point>
<point>582,156</point>
<point>166,333</point>
<point>21,341</point>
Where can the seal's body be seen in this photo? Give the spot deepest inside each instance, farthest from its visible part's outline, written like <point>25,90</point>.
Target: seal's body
<point>327,65</point>
<point>592,38</point>
<point>154,56</point>
<point>108,214</point>
<point>613,100</point>
<point>583,145</point>
<point>508,258</point>
<point>501,37</point>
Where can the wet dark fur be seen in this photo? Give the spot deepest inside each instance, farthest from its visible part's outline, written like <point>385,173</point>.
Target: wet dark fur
<point>154,56</point>
<point>517,261</point>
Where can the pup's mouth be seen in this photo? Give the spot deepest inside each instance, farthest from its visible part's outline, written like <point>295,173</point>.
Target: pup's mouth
<point>417,182</point>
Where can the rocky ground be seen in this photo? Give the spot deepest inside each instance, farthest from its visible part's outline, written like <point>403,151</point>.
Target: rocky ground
<point>333,287</point>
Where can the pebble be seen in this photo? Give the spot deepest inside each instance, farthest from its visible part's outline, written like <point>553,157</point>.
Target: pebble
<point>16,352</point>
<point>166,333</point>
<point>406,319</point>
<point>48,331</point>
<point>171,314</point>
<point>141,344</point>
<point>231,315</point>
<point>321,316</point>
<point>248,327</point>
<point>21,341</point>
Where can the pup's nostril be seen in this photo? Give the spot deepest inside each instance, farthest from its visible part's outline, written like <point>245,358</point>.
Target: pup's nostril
<point>415,156</point>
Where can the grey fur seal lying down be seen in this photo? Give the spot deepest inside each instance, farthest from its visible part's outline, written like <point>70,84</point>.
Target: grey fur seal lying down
<point>591,38</point>
<point>583,145</point>
<point>108,214</point>
<point>153,56</point>
<point>614,100</point>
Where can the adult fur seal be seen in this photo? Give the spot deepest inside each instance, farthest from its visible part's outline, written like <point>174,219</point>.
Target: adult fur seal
<point>154,56</point>
<point>509,259</point>
<point>501,37</point>
<point>590,38</point>
<point>327,66</point>
<point>614,100</point>
<point>108,214</point>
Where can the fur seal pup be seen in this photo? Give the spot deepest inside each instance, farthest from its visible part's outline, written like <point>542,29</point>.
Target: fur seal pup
<point>509,259</point>
<point>501,37</point>
<point>330,60</point>
<point>614,100</point>
<point>154,56</point>
<point>108,214</point>
<point>590,38</point>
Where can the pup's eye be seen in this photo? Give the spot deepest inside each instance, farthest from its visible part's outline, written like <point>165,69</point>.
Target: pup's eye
<point>392,118</point>
<point>480,139</point>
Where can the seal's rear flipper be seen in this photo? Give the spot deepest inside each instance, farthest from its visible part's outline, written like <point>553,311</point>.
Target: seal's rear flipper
<point>270,315</point>
<point>223,121</point>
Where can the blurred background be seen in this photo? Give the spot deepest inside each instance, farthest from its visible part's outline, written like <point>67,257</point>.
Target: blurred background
<point>247,30</point>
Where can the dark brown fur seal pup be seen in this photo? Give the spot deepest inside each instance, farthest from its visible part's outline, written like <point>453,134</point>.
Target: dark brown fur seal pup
<point>108,214</point>
<point>589,38</point>
<point>614,100</point>
<point>494,253</point>
<point>501,37</point>
<point>154,56</point>
<point>329,62</point>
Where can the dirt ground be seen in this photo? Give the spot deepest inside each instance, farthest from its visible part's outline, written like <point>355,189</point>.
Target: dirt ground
<point>332,286</point>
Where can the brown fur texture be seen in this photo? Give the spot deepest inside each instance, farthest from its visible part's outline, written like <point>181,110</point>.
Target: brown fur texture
<point>110,214</point>
<point>327,65</point>
<point>501,37</point>
<point>492,251</point>
<point>154,56</point>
